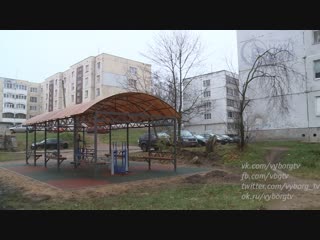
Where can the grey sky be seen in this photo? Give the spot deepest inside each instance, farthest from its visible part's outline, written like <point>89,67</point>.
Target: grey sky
<point>36,55</point>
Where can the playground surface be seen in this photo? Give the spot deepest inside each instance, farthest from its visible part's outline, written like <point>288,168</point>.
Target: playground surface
<point>87,176</point>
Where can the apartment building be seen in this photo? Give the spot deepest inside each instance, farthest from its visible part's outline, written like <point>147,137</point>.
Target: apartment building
<point>100,76</point>
<point>218,98</point>
<point>20,101</point>
<point>303,120</point>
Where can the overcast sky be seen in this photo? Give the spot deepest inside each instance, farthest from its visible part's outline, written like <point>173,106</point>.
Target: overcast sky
<point>36,55</point>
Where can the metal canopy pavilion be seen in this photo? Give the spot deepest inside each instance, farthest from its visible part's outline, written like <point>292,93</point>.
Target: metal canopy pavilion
<point>124,110</point>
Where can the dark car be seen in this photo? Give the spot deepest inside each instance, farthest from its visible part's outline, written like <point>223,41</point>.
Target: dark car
<point>188,139</point>
<point>234,138</point>
<point>155,142</point>
<point>52,143</point>
<point>223,139</point>
<point>201,140</point>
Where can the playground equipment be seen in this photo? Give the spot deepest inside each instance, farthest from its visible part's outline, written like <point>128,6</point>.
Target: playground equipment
<point>121,154</point>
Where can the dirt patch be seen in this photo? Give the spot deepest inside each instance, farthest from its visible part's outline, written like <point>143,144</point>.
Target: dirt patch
<point>212,177</point>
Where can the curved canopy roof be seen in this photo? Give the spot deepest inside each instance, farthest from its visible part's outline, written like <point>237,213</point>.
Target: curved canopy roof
<point>119,108</point>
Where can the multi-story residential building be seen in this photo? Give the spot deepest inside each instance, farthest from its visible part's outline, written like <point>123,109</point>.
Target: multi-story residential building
<point>303,120</point>
<point>103,75</point>
<point>20,101</point>
<point>219,98</point>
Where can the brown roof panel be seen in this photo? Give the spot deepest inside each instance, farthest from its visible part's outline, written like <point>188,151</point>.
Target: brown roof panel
<point>134,106</point>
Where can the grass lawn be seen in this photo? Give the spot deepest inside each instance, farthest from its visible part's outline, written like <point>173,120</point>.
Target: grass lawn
<point>189,197</point>
<point>120,135</point>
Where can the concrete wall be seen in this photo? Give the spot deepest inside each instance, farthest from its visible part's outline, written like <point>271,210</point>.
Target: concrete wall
<point>301,134</point>
<point>305,89</point>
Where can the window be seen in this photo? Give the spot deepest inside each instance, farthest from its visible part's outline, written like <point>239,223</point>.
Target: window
<point>316,36</point>
<point>207,116</point>
<point>8,105</point>
<point>72,73</point>
<point>72,98</point>
<point>21,106</point>
<point>47,86</point>
<point>207,104</point>
<point>56,82</point>
<point>34,108</point>
<point>86,81</point>
<point>72,86</point>
<point>133,83</point>
<point>98,65</point>
<point>230,102</point>
<point>98,78</point>
<point>21,116</point>
<point>230,114</point>
<point>206,83</point>
<point>207,94</point>
<point>8,84</point>
<point>133,70</point>
<point>46,106</point>
<point>33,99</point>
<point>32,89</point>
<point>87,68</point>
<point>318,106</point>
<point>55,103</point>
<point>55,92</point>
<point>98,92</point>
<point>7,115</point>
<point>231,80</point>
<point>317,69</point>
<point>229,91</point>
<point>86,94</point>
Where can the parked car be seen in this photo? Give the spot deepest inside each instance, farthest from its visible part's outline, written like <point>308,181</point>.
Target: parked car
<point>52,143</point>
<point>234,138</point>
<point>55,129</point>
<point>188,139</point>
<point>221,138</point>
<point>163,138</point>
<point>99,130</point>
<point>20,129</point>
<point>201,140</point>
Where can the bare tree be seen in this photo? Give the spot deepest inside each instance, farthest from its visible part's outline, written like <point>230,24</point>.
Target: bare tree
<point>177,54</point>
<point>271,70</point>
<point>138,79</point>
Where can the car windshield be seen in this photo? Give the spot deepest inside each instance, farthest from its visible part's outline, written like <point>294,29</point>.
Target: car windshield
<point>163,134</point>
<point>199,136</point>
<point>186,133</point>
<point>223,135</point>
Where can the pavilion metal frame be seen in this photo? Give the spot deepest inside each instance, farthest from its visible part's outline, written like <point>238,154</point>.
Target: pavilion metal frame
<point>96,118</point>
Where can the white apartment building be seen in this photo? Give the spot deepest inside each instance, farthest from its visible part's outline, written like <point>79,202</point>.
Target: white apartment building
<point>103,75</point>
<point>303,120</point>
<point>219,96</point>
<point>20,101</point>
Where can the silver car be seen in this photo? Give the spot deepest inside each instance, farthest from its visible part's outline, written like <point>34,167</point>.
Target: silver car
<point>20,129</point>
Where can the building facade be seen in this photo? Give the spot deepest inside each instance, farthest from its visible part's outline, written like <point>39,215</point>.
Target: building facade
<point>103,75</point>
<point>20,101</point>
<point>303,119</point>
<point>93,77</point>
<point>218,100</point>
